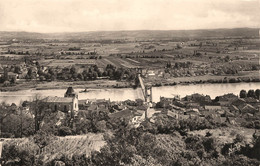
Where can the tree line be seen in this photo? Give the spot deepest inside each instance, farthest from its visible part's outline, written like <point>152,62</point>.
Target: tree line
<point>250,93</point>
<point>89,73</point>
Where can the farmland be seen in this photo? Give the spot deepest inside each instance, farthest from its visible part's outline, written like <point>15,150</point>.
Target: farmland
<point>187,58</point>
<point>69,145</point>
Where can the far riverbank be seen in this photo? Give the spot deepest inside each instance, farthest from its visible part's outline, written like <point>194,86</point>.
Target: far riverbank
<point>155,82</point>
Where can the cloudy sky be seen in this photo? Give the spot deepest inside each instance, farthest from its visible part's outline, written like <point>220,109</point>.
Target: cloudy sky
<point>93,15</point>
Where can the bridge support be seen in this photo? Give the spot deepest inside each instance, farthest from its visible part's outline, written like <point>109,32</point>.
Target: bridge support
<point>148,94</point>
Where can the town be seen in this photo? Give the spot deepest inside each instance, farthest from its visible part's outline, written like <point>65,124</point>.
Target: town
<point>129,83</point>
<point>37,124</point>
<point>63,116</point>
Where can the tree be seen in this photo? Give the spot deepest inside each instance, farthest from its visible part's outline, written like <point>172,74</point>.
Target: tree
<point>256,148</point>
<point>4,113</point>
<point>29,74</point>
<point>6,83</point>
<point>64,130</point>
<point>42,139</point>
<point>227,58</point>
<point>257,94</point>
<point>39,110</point>
<point>42,78</point>
<point>251,93</point>
<point>243,94</point>
<point>13,155</point>
<point>179,46</point>
<point>80,76</point>
<point>72,70</point>
<point>17,69</point>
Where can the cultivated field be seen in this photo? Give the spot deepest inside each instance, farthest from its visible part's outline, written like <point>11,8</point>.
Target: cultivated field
<point>69,145</point>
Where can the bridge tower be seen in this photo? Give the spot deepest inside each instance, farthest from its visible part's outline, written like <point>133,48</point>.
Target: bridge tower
<point>148,94</point>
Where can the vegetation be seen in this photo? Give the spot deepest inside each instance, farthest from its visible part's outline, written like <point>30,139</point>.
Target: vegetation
<point>251,93</point>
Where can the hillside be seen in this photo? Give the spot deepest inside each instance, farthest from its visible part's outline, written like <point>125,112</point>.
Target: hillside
<point>69,145</point>
<point>136,34</point>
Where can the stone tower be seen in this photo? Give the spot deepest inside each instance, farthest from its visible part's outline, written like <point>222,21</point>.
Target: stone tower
<point>71,93</point>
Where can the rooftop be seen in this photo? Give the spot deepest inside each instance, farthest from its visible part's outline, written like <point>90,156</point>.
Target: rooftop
<point>57,99</point>
<point>70,90</point>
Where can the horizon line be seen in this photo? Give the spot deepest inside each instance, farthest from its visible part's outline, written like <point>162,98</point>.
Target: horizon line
<point>129,30</point>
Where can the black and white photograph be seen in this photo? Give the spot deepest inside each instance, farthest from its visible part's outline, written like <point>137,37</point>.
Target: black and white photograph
<point>129,82</point>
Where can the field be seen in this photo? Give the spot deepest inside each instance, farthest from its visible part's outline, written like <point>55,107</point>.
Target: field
<point>69,145</point>
<point>212,58</point>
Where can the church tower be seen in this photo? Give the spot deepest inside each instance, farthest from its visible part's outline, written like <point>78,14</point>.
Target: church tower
<point>75,102</point>
<point>71,93</point>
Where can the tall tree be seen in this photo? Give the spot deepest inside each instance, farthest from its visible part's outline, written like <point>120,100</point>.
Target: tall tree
<point>243,94</point>
<point>257,94</point>
<point>251,93</point>
<point>39,110</point>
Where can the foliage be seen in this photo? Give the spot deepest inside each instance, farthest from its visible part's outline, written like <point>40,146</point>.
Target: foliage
<point>243,94</point>
<point>42,139</point>
<point>13,155</point>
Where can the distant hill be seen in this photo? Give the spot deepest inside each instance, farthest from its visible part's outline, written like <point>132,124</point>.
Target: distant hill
<point>135,35</point>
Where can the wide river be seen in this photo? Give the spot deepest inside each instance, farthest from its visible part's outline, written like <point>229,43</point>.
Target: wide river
<point>127,93</point>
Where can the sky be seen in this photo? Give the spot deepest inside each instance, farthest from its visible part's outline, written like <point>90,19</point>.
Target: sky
<point>111,15</point>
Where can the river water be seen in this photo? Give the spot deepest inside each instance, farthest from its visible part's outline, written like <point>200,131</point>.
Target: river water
<point>127,93</point>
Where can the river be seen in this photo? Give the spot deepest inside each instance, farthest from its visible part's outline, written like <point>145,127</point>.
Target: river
<point>212,90</point>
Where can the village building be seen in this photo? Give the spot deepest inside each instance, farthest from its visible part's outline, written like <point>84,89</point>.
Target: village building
<point>212,107</point>
<point>166,102</point>
<point>66,104</point>
<point>226,99</point>
<point>197,98</point>
<point>93,104</point>
<point>134,117</point>
<point>173,114</point>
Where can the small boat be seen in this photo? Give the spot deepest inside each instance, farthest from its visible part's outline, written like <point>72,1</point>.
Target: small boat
<point>84,91</point>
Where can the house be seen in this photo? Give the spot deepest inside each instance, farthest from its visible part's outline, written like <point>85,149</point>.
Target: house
<point>129,102</point>
<point>193,105</point>
<point>134,117</point>
<point>233,109</point>
<point>12,76</point>
<point>226,99</point>
<point>13,107</point>
<point>165,102</point>
<point>172,114</point>
<point>166,75</point>
<point>93,104</point>
<point>66,104</point>
<point>212,107</point>
<point>252,101</point>
<point>192,112</point>
<point>238,102</point>
<point>8,75</point>
<point>150,73</point>
<point>139,102</point>
<point>247,108</point>
<point>197,98</point>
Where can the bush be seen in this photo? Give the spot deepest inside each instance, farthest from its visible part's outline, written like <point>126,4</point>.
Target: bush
<point>64,130</point>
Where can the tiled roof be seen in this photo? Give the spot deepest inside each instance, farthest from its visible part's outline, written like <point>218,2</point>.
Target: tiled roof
<point>12,73</point>
<point>251,100</point>
<point>124,114</point>
<point>57,99</point>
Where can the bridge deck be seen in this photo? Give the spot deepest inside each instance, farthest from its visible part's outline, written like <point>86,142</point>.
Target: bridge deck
<point>142,85</point>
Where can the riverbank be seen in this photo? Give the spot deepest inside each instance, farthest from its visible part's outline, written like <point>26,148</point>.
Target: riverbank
<point>155,82</point>
<point>97,84</point>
